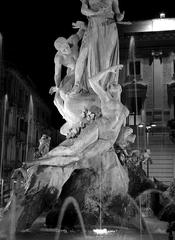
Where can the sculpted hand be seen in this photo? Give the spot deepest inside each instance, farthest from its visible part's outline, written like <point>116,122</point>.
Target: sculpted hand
<point>79,24</point>
<point>53,89</point>
<point>120,16</point>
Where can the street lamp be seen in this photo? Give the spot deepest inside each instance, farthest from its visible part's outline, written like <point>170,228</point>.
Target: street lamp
<point>147,129</point>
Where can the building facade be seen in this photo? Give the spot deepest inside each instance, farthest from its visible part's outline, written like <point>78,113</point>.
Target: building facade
<point>24,118</point>
<point>147,52</point>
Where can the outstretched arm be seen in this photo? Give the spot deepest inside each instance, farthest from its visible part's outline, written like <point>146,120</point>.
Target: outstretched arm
<point>94,81</point>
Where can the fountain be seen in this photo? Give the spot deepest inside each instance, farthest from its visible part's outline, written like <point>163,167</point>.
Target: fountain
<point>12,228</point>
<point>84,170</point>
<point>133,61</point>
<point>70,200</point>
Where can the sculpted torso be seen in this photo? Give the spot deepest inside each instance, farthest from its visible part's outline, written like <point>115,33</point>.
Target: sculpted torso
<point>97,5</point>
<point>72,106</point>
<point>75,105</point>
<point>66,60</point>
<point>101,8</point>
<point>98,8</point>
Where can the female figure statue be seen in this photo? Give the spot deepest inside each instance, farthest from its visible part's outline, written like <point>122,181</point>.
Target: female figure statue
<point>100,44</point>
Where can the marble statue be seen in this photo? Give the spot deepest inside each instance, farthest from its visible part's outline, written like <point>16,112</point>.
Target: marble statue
<point>89,99</point>
<point>100,45</point>
<point>67,52</point>
<point>99,50</point>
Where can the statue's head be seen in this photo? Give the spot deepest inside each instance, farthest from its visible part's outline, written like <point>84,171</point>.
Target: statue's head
<point>114,89</point>
<point>62,45</point>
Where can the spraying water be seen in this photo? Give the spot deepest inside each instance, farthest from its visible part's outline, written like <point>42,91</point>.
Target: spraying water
<point>141,219</point>
<point>133,60</point>
<point>149,191</point>
<point>70,200</point>
<point>2,143</point>
<point>12,226</point>
<point>100,196</point>
<point>29,126</point>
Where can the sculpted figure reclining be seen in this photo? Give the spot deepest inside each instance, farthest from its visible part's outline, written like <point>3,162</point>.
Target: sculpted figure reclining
<point>101,133</point>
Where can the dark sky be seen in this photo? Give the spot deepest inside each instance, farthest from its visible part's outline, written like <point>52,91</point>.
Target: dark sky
<point>29,29</point>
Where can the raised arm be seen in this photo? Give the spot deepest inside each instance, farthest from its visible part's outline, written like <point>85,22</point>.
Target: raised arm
<point>94,81</point>
<point>75,38</point>
<point>80,33</point>
<point>81,26</point>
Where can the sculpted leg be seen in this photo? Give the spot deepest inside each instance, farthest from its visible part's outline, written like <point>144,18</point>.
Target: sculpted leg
<point>59,103</point>
<point>54,161</point>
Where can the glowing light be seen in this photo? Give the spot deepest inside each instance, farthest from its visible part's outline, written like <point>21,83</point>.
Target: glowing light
<point>104,231</point>
<point>162,15</point>
<point>163,24</point>
<point>141,125</point>
<point>100,231</point>
<point>153,125</point>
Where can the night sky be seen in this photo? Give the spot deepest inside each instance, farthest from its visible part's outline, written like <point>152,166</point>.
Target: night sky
<point>29,30</point>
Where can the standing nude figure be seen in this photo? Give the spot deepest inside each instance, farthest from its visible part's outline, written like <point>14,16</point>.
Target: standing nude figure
<point>67,53</point>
